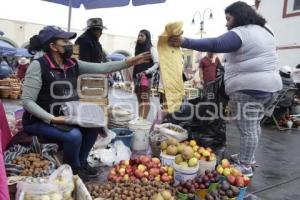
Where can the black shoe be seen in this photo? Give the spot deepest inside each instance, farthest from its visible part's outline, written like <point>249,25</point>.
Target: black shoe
<point>91,170</point>
<point>84,174</point>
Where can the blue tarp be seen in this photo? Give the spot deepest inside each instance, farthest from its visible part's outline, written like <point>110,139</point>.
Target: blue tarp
<point>5,47</point>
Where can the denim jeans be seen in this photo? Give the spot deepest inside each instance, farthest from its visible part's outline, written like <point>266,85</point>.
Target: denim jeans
<point>77,142</point>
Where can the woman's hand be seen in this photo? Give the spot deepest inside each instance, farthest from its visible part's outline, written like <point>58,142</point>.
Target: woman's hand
<point>139,59</point>
<point>175,41</point>
<point>59,120</point>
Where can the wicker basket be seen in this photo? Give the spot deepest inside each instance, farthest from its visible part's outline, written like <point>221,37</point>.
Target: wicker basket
<point>4,82</point>
<point>155,141</point>
<point>4,91</point>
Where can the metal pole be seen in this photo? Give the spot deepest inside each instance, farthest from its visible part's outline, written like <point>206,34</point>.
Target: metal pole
<point>70,15</point>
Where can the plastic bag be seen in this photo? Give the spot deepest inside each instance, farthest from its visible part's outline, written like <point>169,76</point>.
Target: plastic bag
<point>60,186</point>
<point>37,188</point>
<point>172,130</point>
<point>102,142</point>
<point>109,157</point>
<point>63,178</point>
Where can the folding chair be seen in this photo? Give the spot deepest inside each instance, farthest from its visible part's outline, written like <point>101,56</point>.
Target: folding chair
<point>269,112</point>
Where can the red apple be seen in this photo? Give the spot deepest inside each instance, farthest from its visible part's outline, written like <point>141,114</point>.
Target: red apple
<point>231,179</point>
<point>129,170</point>
<point>247,180</point>
<point>155,160</point>
<point>162,170</point>
<point>146,174</point>
<point>240,182</point>
<point>145,159</point>
<point>165,178</point>
<point>138,173</point>
<point>154,171</point>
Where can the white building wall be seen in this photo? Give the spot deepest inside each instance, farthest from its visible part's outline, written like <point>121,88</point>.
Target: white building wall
<point>20,32</point>
<point>287,31</point>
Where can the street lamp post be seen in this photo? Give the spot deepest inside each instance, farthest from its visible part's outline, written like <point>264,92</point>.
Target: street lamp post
<point>202,19</point>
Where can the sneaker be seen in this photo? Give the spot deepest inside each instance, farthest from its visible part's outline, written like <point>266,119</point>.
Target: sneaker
<point>246,171</point>
<point>236,159</point>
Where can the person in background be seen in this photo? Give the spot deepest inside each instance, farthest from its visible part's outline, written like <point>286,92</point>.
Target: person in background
<point>251,73</point>
<point>22,67</point>
<point>209,65</point>
<point>90,49</point>
<point>144,44</point>
<point>43,89</point>
<point>296,79</point>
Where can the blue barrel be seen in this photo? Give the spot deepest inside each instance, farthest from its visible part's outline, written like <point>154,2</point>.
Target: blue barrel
<point>123,134</point>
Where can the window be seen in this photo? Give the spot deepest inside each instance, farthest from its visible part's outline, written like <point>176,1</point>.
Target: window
<point>291,8</point>
<point>296,5</point>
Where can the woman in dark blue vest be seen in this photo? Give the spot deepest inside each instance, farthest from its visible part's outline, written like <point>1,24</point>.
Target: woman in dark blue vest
<point>52,80</point>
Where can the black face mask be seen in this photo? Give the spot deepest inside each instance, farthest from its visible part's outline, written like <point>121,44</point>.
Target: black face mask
<point>68,51</point>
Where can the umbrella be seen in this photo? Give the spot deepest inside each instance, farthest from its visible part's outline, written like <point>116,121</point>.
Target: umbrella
<point>22,52</point>
<point>116,57</point>
<point>6,48</point>
<point>93,4</point>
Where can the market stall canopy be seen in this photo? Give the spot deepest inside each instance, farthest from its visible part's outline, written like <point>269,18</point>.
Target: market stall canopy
<point>22,52</point>
<point>94,4</point>
<point>6,48</point>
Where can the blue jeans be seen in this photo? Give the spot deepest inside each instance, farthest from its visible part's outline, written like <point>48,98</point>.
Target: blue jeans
<point>77,142</point>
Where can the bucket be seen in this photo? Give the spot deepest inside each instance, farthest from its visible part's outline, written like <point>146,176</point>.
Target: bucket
<point>123,134</point>
<point>200,194</point>
<point>242,193</point>
<point>140,129</point>
<point>166,159</point>
<point>155,141</point>
<point>206,165</point>
<point>183,174</point>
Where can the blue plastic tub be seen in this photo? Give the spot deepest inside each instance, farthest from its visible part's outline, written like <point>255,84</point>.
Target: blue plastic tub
<point>123,134</point>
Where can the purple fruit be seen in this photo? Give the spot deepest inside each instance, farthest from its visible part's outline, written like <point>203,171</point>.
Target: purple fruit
<point>207,172</point>
<point>205,179</point>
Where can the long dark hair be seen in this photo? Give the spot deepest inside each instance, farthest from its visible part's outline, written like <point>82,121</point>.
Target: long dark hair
<point>146,46</point>
<point>244,15</point>
<point>35,45</point>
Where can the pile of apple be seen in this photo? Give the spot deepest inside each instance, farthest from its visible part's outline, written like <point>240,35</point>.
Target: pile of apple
<point>186,158</point>
<point>141,168</point>
<point>171,147</point>
<point>225,191</point>
<point>233,175</point>
<point>201,153</point>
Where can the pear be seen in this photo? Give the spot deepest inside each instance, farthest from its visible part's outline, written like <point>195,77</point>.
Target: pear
<point>157,197</point>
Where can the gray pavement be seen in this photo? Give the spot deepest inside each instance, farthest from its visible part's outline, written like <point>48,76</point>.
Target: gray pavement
<point>277,176</point>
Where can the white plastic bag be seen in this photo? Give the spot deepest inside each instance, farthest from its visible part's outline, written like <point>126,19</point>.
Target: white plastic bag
<point>102,142</point>
<point>109,157</point>
<point>172,130</point>
<point>60,186</point>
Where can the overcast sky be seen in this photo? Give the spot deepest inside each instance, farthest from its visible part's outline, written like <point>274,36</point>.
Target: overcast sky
<point>124,20</point>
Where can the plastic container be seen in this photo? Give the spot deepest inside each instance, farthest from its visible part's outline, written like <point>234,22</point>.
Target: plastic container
<point>140,129</point>
<point>200,194</point>
<point>242,193</point>
<point>155,141</point>
<point>123,134</point>
<point>206,165</point>
<point>182,174</point>
<point>166,159</point>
